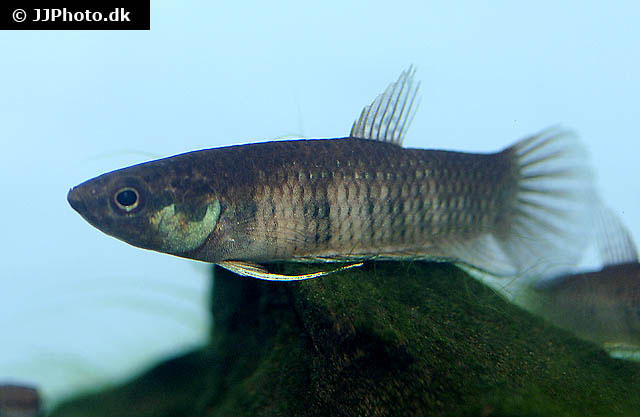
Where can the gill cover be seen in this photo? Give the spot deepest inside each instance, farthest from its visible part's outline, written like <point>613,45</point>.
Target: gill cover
<point>177,233</point>
<point>146,210</point>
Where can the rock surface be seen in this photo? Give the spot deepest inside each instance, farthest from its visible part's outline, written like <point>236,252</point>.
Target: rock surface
<point>405,339</point>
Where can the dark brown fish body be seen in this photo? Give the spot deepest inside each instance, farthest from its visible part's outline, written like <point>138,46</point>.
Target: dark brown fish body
<point>356,198</point>
<point>332,198</point>
<point>352,198</point>
<point>602,306</point>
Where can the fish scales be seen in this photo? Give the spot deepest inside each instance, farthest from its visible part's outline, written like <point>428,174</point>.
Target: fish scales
<point>350,199</point>
<point>342,197</point>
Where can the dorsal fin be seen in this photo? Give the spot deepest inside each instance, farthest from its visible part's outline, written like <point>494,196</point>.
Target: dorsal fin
<point>615,245</point>
<point>388,117</point>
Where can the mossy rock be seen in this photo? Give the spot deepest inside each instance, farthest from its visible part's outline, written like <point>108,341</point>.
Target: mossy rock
<point>405,339</point>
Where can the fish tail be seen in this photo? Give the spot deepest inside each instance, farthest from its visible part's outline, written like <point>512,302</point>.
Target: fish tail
<point>543,225</point>
<point>547,227</point>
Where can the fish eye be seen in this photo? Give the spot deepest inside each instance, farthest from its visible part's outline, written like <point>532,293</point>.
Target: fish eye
<point>127,199</point>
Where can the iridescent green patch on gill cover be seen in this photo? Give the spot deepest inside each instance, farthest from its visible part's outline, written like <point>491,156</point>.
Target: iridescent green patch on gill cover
<point>179,231</point>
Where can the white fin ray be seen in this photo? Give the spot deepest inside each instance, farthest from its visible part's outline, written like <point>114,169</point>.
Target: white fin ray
<point>614,243</point>
<point>388,117</point>
<point>248,269</point>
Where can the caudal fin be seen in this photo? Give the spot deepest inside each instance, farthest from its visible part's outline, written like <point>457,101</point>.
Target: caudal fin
<point>547,228</point>
<point>544,224</point>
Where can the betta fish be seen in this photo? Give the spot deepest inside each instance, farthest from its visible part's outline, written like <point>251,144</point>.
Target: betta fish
<point>352,199</point>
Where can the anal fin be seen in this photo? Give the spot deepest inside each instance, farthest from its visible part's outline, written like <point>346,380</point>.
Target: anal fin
<point>248,269</point>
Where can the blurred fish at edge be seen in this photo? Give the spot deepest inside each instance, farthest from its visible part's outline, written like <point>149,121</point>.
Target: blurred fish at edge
<point>601,306</point>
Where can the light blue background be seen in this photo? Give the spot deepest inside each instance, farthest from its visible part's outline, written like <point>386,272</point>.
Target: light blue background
<point>78,308</point>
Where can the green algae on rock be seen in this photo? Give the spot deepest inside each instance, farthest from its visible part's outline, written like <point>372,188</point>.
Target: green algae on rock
<point>410,339</point>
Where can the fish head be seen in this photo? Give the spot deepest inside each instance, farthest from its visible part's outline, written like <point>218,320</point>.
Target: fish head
<point>149,206</point>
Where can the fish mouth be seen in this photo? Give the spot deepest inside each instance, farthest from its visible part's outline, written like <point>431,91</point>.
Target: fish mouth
<point>76,202</point>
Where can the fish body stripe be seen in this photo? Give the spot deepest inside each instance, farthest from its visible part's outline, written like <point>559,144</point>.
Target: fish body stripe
<point>354,196</point>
